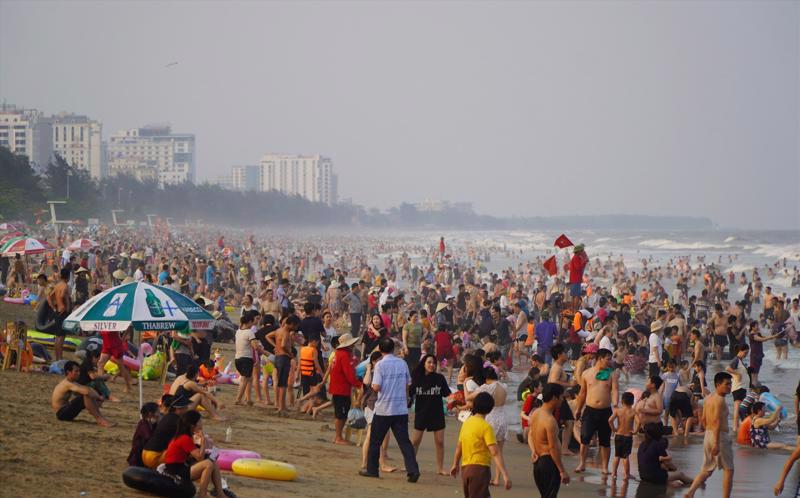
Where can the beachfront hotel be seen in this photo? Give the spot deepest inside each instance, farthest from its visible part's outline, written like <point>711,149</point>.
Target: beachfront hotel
<point>152,152</point>
<point>308,176</point>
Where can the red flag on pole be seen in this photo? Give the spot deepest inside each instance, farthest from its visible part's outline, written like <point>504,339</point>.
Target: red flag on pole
<point>562,241</point>
<point>550,265</point>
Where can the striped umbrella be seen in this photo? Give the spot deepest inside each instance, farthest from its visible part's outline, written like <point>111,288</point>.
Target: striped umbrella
<point>145,306</point>
<point>25,246</point>
<point>82,245</point>
<point>7,226</point>
<point>10,235</point>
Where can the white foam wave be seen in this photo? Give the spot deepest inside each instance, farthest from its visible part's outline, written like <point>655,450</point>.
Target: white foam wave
<point>674,245</point>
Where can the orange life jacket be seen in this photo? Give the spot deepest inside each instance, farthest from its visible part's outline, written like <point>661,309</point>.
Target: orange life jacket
<point>307,355</point>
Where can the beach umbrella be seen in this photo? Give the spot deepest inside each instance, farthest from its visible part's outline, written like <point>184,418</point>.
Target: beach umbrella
<point>7,227</point>
<point>10,235</point>
<point>82,245</point>
<point>25,246</point>
<point>142,305</point>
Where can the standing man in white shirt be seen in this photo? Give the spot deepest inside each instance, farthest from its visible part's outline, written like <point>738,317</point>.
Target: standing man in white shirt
<point>656,347</point>
<point>390,380</point>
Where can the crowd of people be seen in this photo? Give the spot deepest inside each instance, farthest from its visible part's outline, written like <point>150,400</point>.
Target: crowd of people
<point>433,333</point>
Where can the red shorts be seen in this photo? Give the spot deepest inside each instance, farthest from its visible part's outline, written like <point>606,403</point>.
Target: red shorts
<point>113,345</point>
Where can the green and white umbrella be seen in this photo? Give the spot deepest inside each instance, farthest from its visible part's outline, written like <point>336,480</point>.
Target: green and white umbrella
<point>145,306</point>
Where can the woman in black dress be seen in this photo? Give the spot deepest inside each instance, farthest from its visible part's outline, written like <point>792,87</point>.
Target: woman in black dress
<point>428,390</point>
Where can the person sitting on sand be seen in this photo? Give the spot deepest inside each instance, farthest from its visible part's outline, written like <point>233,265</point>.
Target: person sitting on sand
<point>171,408</point>
<point>189,441</point>
<point>81,397</point>
<point>144,431</point>
<point>760,426</point>
<point>187,385</point>
<point>655,465</point>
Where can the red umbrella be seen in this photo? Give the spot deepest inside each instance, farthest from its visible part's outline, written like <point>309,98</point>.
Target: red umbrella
<point>25,246</point>
<point>11,235</point>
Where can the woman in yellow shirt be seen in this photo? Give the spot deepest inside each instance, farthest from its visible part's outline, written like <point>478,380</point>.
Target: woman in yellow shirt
<point>475,450</point>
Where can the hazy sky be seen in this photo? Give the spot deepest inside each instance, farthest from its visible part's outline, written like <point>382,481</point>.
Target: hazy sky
<point>678,108</point>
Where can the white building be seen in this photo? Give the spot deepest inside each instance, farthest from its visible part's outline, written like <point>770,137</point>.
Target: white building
<point>225,181</point>
<point>26,132</point>
<point>138,150</point>
<point>78,140</point>
<point>245,178</point>
<point>309,176</point>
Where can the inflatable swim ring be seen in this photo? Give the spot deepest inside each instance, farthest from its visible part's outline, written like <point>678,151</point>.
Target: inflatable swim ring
<point>14,300</point>
<point>771,403</point>
<point>264,469</point>
<point>227,457</point>
<point>150,481</point>
<point>70,343</point>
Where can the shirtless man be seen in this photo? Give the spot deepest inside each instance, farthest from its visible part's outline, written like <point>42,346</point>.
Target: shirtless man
<point>599,392</point>
<point>85,397</point>
<point>60,302</point>
<point>717,446</point>
<point>559,376</point>
<point>650,409</point>
<point>718,323</point>
<point>548,470</point>
<point>282,339</point>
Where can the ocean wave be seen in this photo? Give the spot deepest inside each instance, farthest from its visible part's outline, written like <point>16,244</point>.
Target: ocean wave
<point>674,245</point>
<point>778,251</point>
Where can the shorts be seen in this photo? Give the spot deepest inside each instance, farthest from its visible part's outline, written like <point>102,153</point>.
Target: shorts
<point>341,405</point>
<point>309,381</point>
<point>575,290</point>
<point>432,424</point>
<point>152,459</point>
<point>680,402</point>
<point>781,342</point>
<point>720,340</point>
<point>522,338</point>
<point>565,412</point>
<point>739,394</point>
<point>596,420</point>
<point>546,476</point>
<point>623,445</point>
<point>113,345</point>
<point>475,480</point>
<point>244,366</point>
<point>71,410</point>
<point>653,369</point>
<point>282,365</point>
<point>59,324</point>
<point>724,459</point>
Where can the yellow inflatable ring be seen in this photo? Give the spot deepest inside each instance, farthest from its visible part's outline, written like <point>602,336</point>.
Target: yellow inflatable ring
<point>264,469</point>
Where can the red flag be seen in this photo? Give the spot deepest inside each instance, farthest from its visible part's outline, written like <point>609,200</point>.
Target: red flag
<point>562,241</point>
<point>550,265</point>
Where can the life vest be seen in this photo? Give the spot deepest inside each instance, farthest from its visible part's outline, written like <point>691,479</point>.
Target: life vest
<point>307,354</point>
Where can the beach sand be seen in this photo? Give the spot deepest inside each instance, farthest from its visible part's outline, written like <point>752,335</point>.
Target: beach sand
<point>42,457</point>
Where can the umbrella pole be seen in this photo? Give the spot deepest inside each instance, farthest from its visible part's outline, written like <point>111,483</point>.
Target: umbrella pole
<point>141,369</point>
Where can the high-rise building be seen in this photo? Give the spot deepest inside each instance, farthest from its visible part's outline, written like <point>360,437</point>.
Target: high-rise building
<point>225,181</point>
<point>140,150</point>
<point>244,178</point>
<point>78,140</point>
<point>27,132</point>
<point>309,176</point>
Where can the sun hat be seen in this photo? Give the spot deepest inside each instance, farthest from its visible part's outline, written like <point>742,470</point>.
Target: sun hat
<point>81,270</point>
<point>119,274</point>
<point>656,326</point>
<point>440,307</point>
<point>346,340</point>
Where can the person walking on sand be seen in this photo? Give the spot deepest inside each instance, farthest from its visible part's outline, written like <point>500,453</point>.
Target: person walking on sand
<point>390,380</point>
<point>343,380</point>
<point>549,472</point>
<point>599,388</point>
<point>717,445</point>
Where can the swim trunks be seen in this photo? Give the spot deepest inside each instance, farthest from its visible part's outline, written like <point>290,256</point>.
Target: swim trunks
<point>596,420</point>
<point>720,340</point>
<point>623,445</point>
<point>71,410</point>
<point>283,364</point>
<point>341,406</point>
<point>724,459</point>
<point>244,366</point>
<point>546,476</point>
<point>113,345</point>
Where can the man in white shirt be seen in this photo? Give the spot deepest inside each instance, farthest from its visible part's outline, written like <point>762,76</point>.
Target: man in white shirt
<point>138,275</point>
<point>656,348</point>
<point>390,380</point>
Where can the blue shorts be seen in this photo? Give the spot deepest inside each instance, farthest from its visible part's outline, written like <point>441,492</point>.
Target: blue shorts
<point>575,290</point>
